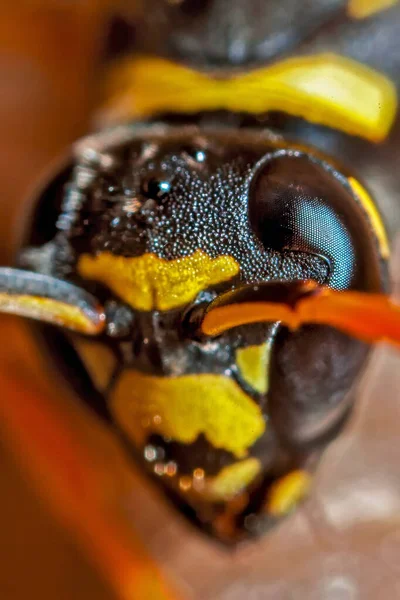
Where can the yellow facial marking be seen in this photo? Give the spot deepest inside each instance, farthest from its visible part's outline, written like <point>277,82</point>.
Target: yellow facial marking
<point>181,408</point>
<point>50,311</point>
<point>373,215</point>
<point>327,89</point>
<point>253,363</point>
<point>287,492</point>
<point>98,359</point>
<point>232,480</point>
<point>361,9</point>
<point>148,282</point>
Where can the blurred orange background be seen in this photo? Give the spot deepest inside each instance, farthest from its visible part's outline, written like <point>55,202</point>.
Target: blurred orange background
<point>48,54</point>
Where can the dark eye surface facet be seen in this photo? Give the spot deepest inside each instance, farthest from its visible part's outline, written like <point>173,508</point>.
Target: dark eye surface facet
<point>156,189</point>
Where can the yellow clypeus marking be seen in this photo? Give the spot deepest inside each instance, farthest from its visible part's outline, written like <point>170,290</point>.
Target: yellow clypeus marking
<point>361,9</point>
<point>181,408</point>
<point>253,363</point>
<point>98,359</point>
<point>327,89</point>
<point>287,492</point>
<point>232,480</point>
<point>373,215</point>
<point>50,311</point>
<point>148,282</point>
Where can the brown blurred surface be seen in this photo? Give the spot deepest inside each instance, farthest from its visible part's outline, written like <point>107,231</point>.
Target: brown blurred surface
<point>38,559</point>
<point>47,75</point>
<point>46,72</point>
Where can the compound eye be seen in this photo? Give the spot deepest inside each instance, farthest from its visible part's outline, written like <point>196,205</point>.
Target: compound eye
<point>291,198</point>
<point>298,203</point>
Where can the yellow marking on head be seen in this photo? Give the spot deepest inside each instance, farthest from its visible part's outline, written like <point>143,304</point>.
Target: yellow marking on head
<point>287,492</point>
<point>361,9</point>
<point>253,363</point>
<point>148,282</point>
<point>327,89</point>
<point>98,359</point>
<point>181,408</point>
<point>232,480</point>
<point>370,208</point>
<point>51,311</point>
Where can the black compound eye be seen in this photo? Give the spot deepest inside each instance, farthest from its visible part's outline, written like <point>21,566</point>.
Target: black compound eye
<point>156,188</point>
<point>298,203</point>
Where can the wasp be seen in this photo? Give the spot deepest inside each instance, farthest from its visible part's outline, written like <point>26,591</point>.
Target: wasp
<point>211,267</point>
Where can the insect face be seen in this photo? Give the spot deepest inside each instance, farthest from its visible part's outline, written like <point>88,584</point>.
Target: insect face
<point>161,225</point>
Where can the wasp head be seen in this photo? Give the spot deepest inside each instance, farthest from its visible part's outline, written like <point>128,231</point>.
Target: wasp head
<point>161,227</point>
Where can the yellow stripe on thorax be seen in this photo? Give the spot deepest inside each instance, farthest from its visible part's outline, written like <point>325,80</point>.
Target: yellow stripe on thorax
<point>361,9</point>
<point>327,89</point>
<point>373,215</point>
<point>182,408</point>
<point>148,282</point>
